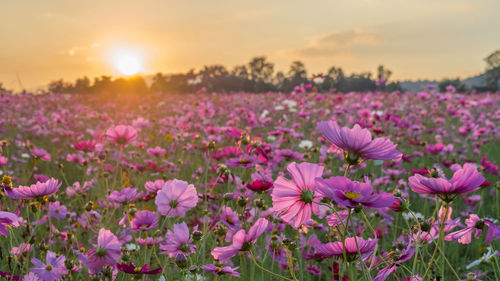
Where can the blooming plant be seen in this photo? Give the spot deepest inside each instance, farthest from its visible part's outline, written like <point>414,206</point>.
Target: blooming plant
<point>291,186</point>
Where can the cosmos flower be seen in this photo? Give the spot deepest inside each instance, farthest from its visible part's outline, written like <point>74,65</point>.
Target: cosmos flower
<point>121,134</point>
<point>41,154</point>
<point>351,194</point>
<point>7,219</point>
<point>176,198</point>
<point>144,220</point>
<point>338,218</point>
<point>57,210</point>
<point>241,241</point>
<point>295,199</point>
<point>358,144</point>
<point>128,194</point>
<point>106,252</point>
<point>463,236</point>
<point>336,248</point>
<point>132,269</point>
<point>154,186</point>
<point>178,241</point>
<point>38,189</point>
<point>465,180</point>
<point>52,269</point>
<point>244,161</point>
<point>221,270</point>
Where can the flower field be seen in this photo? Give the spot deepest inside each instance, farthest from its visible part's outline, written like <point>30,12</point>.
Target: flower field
<point>301,186</point>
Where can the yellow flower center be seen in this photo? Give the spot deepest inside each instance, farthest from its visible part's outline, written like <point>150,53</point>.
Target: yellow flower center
<point>352,195</point>
<point>244,161</point>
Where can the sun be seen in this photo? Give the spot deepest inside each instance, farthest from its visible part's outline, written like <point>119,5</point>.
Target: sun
<point>127,62</point>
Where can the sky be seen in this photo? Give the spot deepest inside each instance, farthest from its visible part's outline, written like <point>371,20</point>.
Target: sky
<point>41,41</point>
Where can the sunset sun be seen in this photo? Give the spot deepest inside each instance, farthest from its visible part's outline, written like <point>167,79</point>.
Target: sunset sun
<point>127,62</point>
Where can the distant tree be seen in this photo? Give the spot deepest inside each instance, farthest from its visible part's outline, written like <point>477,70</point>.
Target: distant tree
<point>493,70</point>
<point>3,89</point>
<point>383,73</point>
<point>240,71</point>
<point>159,83</point>
<point>260,69</point>
<point>82,85</point>
<point>59,87</point>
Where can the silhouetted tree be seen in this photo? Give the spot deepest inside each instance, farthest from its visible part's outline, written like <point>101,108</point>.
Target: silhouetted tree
<point>493,70</point>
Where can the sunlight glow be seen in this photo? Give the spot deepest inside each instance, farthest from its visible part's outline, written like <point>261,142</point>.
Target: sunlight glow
<point>127,62</point>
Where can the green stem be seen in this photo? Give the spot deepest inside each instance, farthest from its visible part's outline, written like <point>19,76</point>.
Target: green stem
<point>440,239</point>
<point>263,269</point>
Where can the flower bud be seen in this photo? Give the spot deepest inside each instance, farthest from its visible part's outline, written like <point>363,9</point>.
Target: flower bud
<point>181,261</point>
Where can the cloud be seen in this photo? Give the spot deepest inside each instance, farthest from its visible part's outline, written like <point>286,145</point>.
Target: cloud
<point>337,43</point>
<point>77,49</point>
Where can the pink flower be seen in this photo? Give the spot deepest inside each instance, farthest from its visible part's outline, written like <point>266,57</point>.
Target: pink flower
<point>121,134</point>
<point>241,241</point>
<point>465,180</point>
<point>144,220</point>
<point>38,189</point>
<point>176,198</point>
<point>295,199</point>
<point>106,252</point>
<point>221,270</point>
<point>52,269</point>
<point>154,186</point>
<point>125,195</point>
<point>7,219</point>
<point>463,236</point>
<point>338,218</point>
<point>57,210</point>
<point>336,248</point>
<point>41,154</point>
<point>178,241</point>
<point>351,194</point>
<point>357,143</point>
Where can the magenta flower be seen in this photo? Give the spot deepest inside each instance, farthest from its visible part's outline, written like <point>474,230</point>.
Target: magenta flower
<point>358,143</point>
<point>38,189</point>
<point>176,198</point>
<point>7,219</point>
<point>41,154</point>
<point>144,220</point>
<point>295,199</point>
<point>351,194</point>
<point>336,248</point>
<point>338,218</point>
<point>121,134</point>
<point>132,269</point>
<point>244,161</point>
<point>178,241</point>
<point>465,180</point>
<point>106,252</point>
<point>155,186</point>
<point>221,270</point>
<point>241,241</point>
<point>52,269</point>
<point>125,195</point>
<point>464,236</point>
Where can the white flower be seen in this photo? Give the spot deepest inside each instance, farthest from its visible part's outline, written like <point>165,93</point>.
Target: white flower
<point>487,257</point>
<point>279,107</point>
<point>264,114</point>
<point>25,155</point>
<point>306,144</point>
<point>271,138</point>
<point>408,216</point>
<point>131,247</point>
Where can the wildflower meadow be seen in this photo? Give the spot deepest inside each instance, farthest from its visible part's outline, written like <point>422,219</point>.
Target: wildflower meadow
<point>307,185</point>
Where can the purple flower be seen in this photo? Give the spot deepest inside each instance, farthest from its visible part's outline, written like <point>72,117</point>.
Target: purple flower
<point>178,241</point>
<point>52,269</point>
<point>41,154</point>
<point>121,134</point>
<point>154,186</point>
<point>176,198</point>
<point>144,220</point>
<point>241,241</point>
<point>221,270</point>
<point>337,218</point>
<point>38,189</point>
<point>244,161</point>
<point>463,236</point>
<point>337,249</point>
<point>57,210</point>
<point>358,143</point>
<point>132,269</point>
<point>465,180</point>
<point>106,252</point>
<point>125,195</point>
<point>351,194</point>
<point>7,219</point>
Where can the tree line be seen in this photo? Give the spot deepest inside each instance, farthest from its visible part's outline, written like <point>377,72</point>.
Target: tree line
<point>257,76</point>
